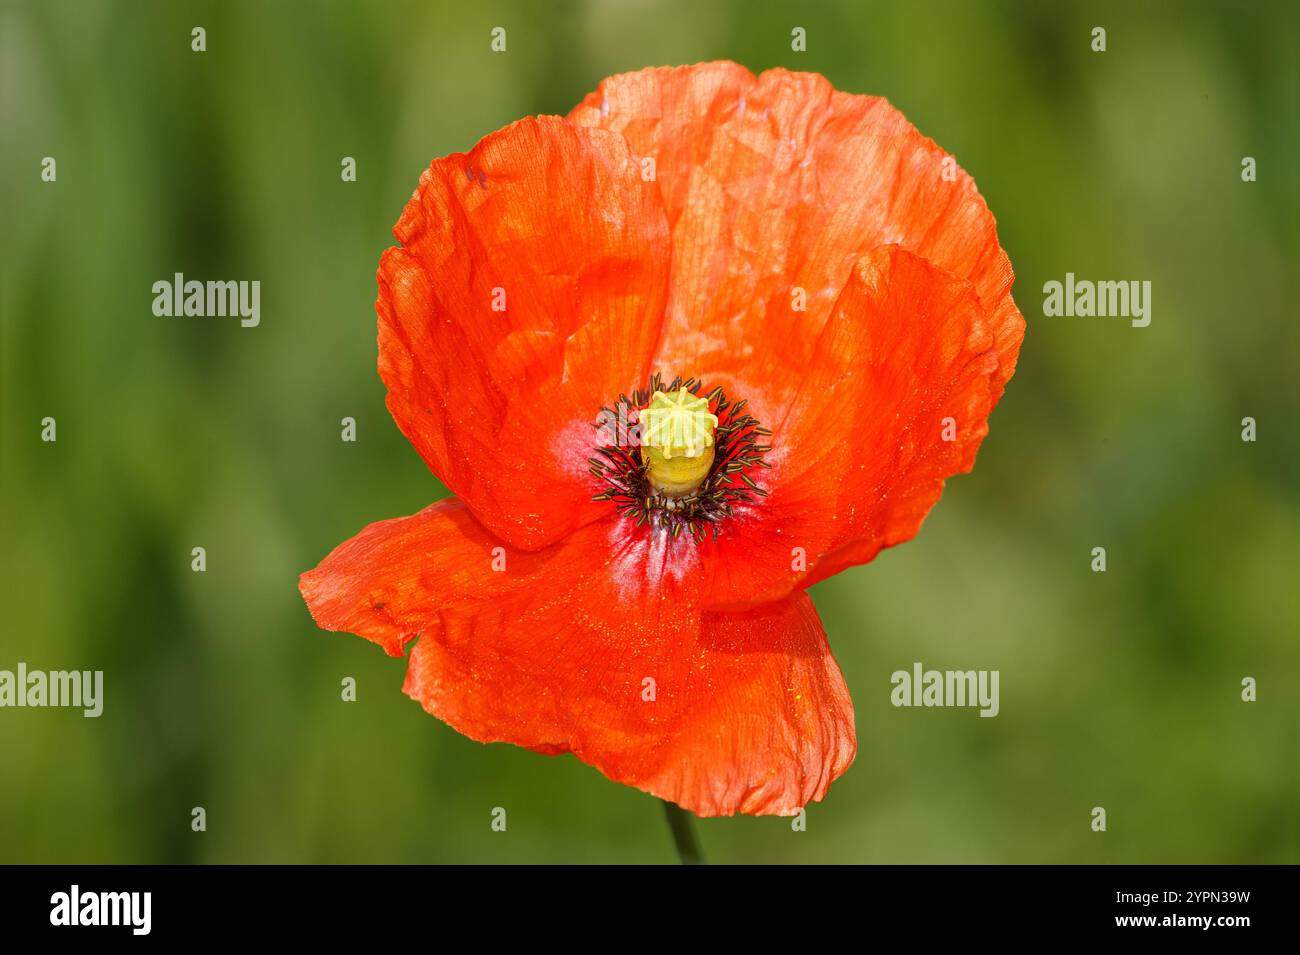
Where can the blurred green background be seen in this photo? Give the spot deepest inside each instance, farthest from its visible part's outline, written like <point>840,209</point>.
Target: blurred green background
<point>1119,690</point>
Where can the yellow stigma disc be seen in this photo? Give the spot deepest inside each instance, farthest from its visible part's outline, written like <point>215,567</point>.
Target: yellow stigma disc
<point>677,441</point>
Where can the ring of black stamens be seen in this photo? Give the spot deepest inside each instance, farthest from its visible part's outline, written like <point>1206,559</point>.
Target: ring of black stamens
<point>737,451</point>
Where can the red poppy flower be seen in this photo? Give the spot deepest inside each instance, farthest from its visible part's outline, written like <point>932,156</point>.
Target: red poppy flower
<point>805,262</point>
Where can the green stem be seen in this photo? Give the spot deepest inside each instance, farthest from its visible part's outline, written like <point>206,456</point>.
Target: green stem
<point>684,838</point>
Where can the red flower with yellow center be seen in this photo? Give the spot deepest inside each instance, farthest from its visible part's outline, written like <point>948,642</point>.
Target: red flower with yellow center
<point>706,341</point>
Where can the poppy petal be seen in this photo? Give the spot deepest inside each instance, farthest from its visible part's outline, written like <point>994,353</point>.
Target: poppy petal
<point>527,293</point>
<point>767,723</point>
<point>596,646</point>
<point>897,398</point>
<point>774,186</point>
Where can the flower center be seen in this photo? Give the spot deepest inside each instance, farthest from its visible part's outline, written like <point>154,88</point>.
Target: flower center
<point>678,459</point>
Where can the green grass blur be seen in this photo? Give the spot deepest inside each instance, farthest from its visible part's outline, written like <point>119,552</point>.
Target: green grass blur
<point>1119,690</point>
